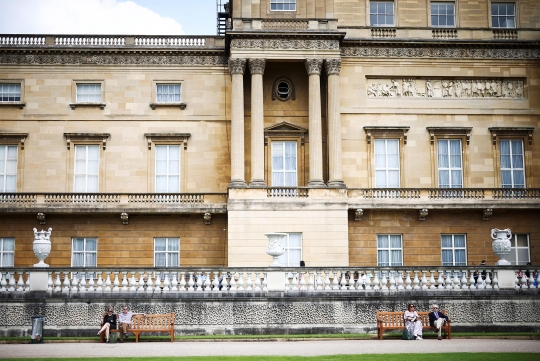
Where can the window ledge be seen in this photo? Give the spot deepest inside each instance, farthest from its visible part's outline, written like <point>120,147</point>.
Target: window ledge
<point>13,104</point>
<point>100,105</point>
<point>155,105</point>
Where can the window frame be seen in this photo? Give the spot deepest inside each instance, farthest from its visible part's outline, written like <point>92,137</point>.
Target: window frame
<point>86,173</point>
<point>18,140</point>
<point>450,133</point>
<point>175,139</point>
<point>389,249</point>
<point>283,2</point>
<point>288,248</point>
<point>496,2</point>
<point>514,249</point>
<point>449,169</point>
<point>379,132</point>
<point>512,133</point>
<point>4,174</point>
<point>166,252</point>
<point>21,103</point>
<point>154,104</point>
<point>394,15</point>
<point>512,169</point>
<point>168,173</point>
<point>456,12</point>
<point>84,252</point>
<point>75,139</point>
<point>453,249</point>
<point>74,94</point>
<point>284,171</point>
<point>3,252</point>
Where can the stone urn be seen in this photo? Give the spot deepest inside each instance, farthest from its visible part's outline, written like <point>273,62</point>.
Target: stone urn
<point>501,244</point>
<point>42,246</point>
<point>275,246</point>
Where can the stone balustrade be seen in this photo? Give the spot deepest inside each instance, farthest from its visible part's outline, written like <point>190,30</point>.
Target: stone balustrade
<point>158,281</point>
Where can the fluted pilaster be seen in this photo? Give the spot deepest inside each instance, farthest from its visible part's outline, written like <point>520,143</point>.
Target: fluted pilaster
<point>313,67</point>
<point>237,68</point>
<point>256,68</point>
<point>335,179</point>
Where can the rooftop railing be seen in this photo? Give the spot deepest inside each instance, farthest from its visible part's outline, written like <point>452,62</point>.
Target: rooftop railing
<point>156,281</point>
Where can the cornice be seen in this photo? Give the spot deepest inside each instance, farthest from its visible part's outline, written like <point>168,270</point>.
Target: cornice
<point>107,57</point>
<point>450,50</point>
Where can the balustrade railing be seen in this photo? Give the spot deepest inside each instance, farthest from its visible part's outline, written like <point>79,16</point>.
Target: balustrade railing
<point>285,192</point>
<point>82,198</point>
<point>291,24</point>
<point>254,280</point>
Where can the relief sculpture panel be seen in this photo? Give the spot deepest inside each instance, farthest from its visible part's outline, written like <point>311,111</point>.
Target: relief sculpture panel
<point>445,88</point>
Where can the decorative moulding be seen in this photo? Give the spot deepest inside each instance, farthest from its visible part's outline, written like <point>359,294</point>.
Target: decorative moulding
<point>100,105</point>
<point>89,137</point>
<point>285,129</point>
<point>422,214</point>
<point>181,138</point>
<point>156,105</point>
<point>449,131</point>
<point>486,213</point>
<point>386,132</point>
<point>14,137</point>
<point>521,132</point>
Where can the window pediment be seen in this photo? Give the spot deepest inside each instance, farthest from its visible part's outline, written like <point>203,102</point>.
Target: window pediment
<point>386,132</point>
<point>449,131</point>
<point>179,138</point>
<point>285,129</point>
<point>87,137</point>
<point>13,137</point>
<point>518,132</point>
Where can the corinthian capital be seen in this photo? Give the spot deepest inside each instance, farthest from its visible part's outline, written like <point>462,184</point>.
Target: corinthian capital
<point>314,66</point>
<point>333,66</point>
<point>237,66</point>
<point>256,66</point>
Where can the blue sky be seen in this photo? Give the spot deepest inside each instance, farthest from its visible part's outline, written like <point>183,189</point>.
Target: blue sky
<point>136,17</point>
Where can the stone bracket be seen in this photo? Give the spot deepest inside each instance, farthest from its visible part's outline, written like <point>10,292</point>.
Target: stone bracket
<point>207,218</point>
<point>358,213</point>
<point>125,218</point>
<point>422,214</point>
<point>41,218</point>
<point>486,213</point>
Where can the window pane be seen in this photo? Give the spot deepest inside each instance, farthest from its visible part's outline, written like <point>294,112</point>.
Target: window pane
<point>522,240</point>
<point>446,241</point>
<point>382,241</point>
<point>160,245</point>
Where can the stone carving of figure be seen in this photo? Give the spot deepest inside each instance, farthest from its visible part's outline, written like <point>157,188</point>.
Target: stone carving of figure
<point>372,90</point>
<point>409,88</point>
<point>495,88</point>
<point>386,90</point>
<point>519,89</point>
<point>466,88</point>
<point>474,89</point>
<point>429,89</point>
<point>480,88</point>
<point>458,89</point>
<point>46,236</point>
<point>508,89</point>
<point>396,87</point>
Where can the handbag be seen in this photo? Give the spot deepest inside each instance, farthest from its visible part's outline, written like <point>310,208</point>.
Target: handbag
<point>406,335</point>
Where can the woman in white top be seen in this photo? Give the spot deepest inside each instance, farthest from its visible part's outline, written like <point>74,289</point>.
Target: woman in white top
<point>413,322</point>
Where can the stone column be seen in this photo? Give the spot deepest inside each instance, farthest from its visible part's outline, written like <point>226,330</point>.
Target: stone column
<point>313,67</point>
<point>236,68</point>
<point>256,68</point>
<point>335,179</point>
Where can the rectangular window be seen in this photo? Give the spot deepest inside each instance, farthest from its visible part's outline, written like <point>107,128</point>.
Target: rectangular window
<point>293,250</point>
<point>454,251</point>
<point>387,163</point>
<point>166,252</point>
<point>450,163</point>
<point>168,93</point>
<point>10,92</point>
<point>86,168</point>
<point>512,164</point>
<point>7,252</point>
<point>503,15</point>
<point>519,253</point>
<point>167,168</point>
<point>443,14</point>
<point>88,93</point>
<point>284,164</point>
<point>389,250</point>
<point>283,5</point>
<point>8,168</point>
<point>84,252</point>
<point>381,13</point>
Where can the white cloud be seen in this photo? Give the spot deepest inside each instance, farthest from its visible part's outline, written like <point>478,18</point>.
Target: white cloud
<point>83,17</point>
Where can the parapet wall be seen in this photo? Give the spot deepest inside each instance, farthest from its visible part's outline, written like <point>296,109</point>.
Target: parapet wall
<point>271,313</point>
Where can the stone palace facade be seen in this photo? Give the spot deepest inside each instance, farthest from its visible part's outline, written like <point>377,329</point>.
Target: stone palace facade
<point>371,132</point>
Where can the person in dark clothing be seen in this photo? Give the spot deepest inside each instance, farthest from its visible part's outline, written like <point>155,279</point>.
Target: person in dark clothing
<point>437,319</point>
<point>109,323</point>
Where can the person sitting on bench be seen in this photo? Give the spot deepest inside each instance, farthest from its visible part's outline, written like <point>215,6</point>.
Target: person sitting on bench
<point>437,319</point>
<point>125,321</point>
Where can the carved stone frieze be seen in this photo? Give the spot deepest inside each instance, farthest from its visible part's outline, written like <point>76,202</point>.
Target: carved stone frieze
<point>256,66</point>
<point>333,66</point>
<point>314,66</point>
<point>439,52</point>
<point>237,66</point>
<point>111,59</point>
<point>446,88</point>
<point>285,44</point>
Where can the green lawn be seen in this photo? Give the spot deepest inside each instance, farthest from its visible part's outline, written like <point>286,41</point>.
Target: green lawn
<point>370,357</point>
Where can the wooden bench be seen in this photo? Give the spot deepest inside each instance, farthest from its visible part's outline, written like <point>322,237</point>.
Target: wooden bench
<point>148,323</point>
<point>395,321</point>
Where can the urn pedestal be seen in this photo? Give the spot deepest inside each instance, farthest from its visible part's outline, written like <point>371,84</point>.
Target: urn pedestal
<point>42,246</point>
<point>275,246</point>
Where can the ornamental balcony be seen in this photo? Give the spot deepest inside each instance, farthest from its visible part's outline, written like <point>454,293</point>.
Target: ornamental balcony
<point>296,281</point>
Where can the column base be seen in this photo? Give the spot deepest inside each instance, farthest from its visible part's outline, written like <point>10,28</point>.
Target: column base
<point>336,184</point>
<point>257,183</point>
<point>316,183</point>
<point>238,183</point>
